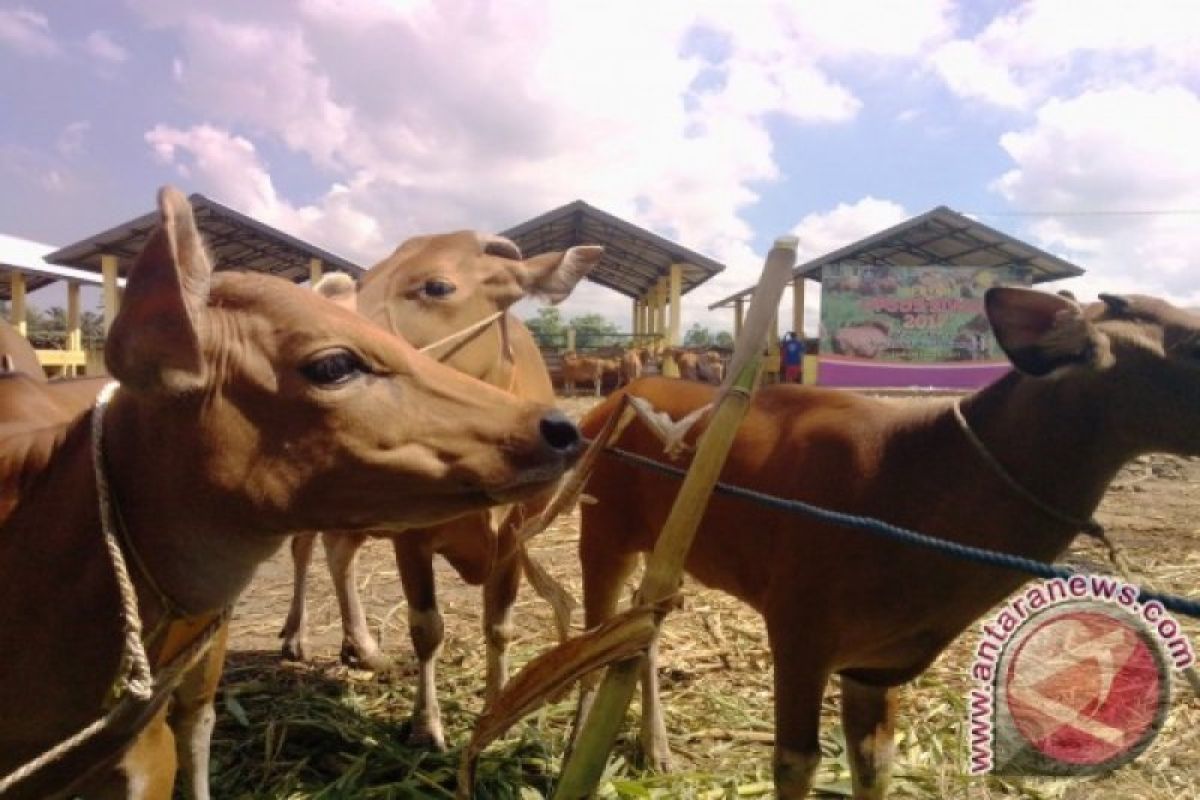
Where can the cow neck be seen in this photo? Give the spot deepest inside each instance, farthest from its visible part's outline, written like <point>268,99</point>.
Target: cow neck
<point>177,633</point>
<point>194,552</point>
<point>1043,434</point>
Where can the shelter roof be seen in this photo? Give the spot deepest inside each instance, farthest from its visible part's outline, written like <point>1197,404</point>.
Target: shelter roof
<point>634,258</point>
<point>235,241</point>
<point>27,257</point>
<point>939,237</point>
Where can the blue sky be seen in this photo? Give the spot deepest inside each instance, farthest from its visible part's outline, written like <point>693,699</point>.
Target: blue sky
<point>720,125</point>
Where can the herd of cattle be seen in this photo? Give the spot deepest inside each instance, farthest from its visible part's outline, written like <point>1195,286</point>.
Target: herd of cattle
<point>251,411</point>
<point>617,369</point>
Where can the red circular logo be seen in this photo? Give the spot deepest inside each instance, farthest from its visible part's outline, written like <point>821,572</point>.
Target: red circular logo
<point>1081,688</point>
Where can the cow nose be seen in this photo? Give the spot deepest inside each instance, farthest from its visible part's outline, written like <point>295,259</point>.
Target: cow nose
<point>558,431</point>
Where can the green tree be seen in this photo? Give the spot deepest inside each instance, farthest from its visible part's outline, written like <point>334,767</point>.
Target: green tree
<point>548,327</point>
<point>724,339</point>
<point>697,336</point>
<point>593,330</point>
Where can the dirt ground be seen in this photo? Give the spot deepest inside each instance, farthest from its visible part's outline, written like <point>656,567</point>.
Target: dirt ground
<point>717,668</point>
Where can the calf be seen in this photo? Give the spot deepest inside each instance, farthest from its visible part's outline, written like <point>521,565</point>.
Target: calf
<point>1093,388</point>
<point>248,409</point>
<point>429,289</point>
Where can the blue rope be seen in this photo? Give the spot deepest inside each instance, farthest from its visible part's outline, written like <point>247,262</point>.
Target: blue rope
<point>1180,605</point>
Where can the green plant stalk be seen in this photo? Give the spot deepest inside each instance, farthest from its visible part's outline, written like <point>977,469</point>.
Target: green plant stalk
<point>664,569</point>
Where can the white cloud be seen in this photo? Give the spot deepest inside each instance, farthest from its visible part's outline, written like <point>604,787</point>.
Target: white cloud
<point>229,168</point>
<point>1044,47</point>
<point>70,142</point>
<point>27,32</point>
<point>102,46</point>
<point>449,114</point>
<point>1110,162</point>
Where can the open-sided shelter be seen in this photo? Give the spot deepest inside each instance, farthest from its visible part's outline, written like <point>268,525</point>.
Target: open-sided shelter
<point>652,271</point>
<point>235,241</point>
<point>904,307</point>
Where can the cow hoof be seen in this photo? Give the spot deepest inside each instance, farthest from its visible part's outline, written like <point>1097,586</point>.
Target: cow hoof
<point>293,650</point>
<point>374,662</point>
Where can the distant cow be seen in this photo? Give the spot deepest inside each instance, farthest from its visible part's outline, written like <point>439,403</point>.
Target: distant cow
<point>706,366</point>
<point>578,369</point>
<point>631,366</point>
<point>1093,388</point>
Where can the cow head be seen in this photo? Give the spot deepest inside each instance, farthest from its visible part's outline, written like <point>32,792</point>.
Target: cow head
<point>1141,355</point>
<point>287,412</point>
<point>434,286</point>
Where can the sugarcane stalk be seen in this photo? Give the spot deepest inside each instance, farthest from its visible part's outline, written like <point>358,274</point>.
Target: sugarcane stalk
<point>664,570</point>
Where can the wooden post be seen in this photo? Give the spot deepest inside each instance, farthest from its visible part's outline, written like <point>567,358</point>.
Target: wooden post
<point>739,309</point>
<point>798,307</point>
<point>660,311</point>
<point>112,298</point>
<point>635,324</point>
<point>16,311</point>
<point>664,567</point>
<point>315,270</point>
<point>74,326</point>
<point>570,339</point>
<point>675,290</point>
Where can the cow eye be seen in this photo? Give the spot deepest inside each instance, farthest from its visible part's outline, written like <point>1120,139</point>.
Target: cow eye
<point>334,368</point>
<point>438,288</point>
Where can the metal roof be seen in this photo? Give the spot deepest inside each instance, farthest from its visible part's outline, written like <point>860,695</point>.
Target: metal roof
<point>634,258</point>
<point>235,241</point>
<point>941,236</point>
<point>27,256</point>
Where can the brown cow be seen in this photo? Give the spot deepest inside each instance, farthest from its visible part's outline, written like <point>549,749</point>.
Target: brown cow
<point>248,409</point>
<point>578,369</point>
<point>631,366</point>
<point>431,288</point>
<point>18,354</point>
<point>710,367</point>
<point>1094,387</point>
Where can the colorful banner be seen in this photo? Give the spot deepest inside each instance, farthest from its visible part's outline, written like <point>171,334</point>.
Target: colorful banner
<point>892,326</point>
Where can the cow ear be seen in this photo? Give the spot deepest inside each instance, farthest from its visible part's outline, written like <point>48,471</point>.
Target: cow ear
<point>155,341</point>
<point>1041,332</point>
<point>553,275</point>
<point>339,288</point>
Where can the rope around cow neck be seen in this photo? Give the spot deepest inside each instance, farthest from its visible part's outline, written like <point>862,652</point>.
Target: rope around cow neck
<point>465,332</point>
<point>1088,526</point>
<point>135,682</point>
<point>135,675</point>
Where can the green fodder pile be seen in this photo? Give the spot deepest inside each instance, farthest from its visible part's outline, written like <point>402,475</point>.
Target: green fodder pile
<point>322,731</point>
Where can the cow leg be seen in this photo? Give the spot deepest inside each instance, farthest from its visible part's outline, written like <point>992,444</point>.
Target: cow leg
<point>605,569</point>
<point>800,679</point>
<point>427,632</point>
<point>359,648</point>
<point>499,595</point>
<point>869,720</point>
<point>146,770</point>
<point>193,716</point>
<point>295,629</point>
<point>655,747</point>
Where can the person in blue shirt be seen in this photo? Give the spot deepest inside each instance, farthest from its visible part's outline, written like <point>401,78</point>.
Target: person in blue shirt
<point>791,356</point>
